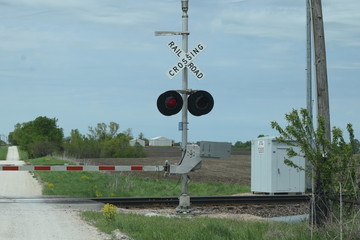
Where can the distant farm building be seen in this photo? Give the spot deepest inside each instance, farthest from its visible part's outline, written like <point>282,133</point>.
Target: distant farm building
<point>160,141</point>
<point>139,141</point>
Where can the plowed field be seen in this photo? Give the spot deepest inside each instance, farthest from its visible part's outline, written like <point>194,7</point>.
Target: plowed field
<point>235,169</point>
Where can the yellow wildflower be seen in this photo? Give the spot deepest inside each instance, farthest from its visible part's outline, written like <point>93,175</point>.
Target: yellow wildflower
<point>109,211</point>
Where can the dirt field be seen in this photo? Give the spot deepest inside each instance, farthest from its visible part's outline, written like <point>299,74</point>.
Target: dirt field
<point>235,169</point>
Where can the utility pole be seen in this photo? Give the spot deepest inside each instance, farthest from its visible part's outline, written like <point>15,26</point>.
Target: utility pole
<point>309,61</point>
<point>321,202</point>
<point>323,108</point>
<point>309,86</point>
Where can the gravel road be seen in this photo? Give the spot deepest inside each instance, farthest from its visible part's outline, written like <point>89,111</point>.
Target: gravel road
<point>21,219</point>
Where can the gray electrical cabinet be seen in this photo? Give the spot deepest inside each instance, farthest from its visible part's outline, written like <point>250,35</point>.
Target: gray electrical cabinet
<point>215,149</point>
<point>269,173</point>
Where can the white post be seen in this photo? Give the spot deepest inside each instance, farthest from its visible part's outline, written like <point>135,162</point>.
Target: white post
<point>184,200</point>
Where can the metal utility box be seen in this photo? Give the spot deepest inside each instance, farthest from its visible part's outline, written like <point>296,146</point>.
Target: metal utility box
<point>269,173</point>
<point>215,149</point>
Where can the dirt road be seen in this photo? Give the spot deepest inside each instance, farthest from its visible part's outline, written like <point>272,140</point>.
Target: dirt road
<point>17,184</point>
<point>23,218</point>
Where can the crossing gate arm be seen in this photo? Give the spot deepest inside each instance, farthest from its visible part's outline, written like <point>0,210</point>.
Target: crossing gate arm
<point>87,168</point>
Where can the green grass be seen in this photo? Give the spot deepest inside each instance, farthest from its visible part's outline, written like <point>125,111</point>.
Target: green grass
<point>23,154</point>
<point>198,228</point>
<point>97,184</point>
<point>48,161</point>
<point>3,152</point>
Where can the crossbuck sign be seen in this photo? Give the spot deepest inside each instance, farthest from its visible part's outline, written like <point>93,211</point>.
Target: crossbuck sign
<point>185,60</point>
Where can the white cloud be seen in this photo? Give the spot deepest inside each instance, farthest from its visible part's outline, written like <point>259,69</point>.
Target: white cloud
<point>45,3</point>
<point>349,66</point>
<point>286,20</point>
<point>13,39</point>
<point>342,22</point>
<point>14,73</point>
<point>112,15</point>
<point>35,24</point>
<point>97,11</point>
<point>270,22</point>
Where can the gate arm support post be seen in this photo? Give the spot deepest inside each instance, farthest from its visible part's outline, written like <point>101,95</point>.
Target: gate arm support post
<point>190,161</point>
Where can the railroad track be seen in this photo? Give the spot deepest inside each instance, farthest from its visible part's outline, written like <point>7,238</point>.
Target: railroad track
<point>208,200</point>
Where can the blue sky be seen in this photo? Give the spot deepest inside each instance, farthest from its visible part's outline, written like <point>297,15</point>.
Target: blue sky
<point>90,61</point>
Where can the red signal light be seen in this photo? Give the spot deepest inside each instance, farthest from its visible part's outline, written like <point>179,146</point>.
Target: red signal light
<point>169,103</point>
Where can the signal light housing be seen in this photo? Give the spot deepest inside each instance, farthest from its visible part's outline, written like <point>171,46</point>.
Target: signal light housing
<point>200,103</point>
<point>169,103</point>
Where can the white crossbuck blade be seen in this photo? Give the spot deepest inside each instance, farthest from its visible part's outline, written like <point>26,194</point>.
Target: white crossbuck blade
<point>186,60</point>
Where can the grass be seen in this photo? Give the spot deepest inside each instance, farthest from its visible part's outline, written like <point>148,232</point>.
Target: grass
<point>97,184</point>
<point>47,161</point>
<point>3,152</point>
<point>23,154</point>
<point>198,228</point>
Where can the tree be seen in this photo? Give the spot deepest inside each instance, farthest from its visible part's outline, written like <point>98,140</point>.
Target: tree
<point>332,161</point>
<point>102,141</point>
<point>356,146</point>
<point>239,145</point>
<point>39,137</point>
<point>141,136</point>
<point>75,145</point>
<point>128,132</point>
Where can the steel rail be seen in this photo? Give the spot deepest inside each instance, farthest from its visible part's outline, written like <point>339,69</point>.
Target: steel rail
<point>206,200</point>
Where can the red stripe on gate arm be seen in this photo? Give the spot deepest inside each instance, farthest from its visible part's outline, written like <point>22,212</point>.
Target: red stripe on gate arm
<point>136,168</point>
<point>42,168</point>
<point>10,168</point>
<point>106,168</point>
<point>74,168</point>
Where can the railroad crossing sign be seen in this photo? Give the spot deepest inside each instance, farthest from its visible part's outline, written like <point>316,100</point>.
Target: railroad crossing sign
<point>186,60</point>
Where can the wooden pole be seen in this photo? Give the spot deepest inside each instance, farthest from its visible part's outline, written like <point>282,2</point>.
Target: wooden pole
<point>320,196</point>
<point>323,108</point>
<point>309,97</point>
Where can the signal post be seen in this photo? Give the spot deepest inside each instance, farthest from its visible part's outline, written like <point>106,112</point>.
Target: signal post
<point>171,102</point>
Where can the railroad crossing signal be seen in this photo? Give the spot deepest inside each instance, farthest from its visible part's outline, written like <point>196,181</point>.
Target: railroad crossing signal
<point>199,103</point>
<point>185,60</point>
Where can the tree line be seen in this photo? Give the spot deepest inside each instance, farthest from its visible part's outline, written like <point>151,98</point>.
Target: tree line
<point>42,137</point>
<point>102,141</point>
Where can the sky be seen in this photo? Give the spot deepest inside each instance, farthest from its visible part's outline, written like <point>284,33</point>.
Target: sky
<point>86,62</point>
